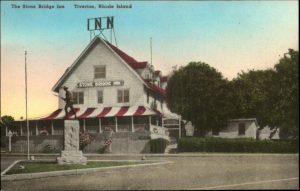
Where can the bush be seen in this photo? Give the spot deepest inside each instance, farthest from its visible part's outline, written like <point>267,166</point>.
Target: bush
<point>49,149</point>
<point>4,141</point>
<point>85,139</point>
<point>102,150</point>
<point>248,145</point>
<point>158,145</point>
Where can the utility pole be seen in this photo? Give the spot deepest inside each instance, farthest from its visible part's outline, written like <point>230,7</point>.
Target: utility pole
<point>0,94</point>
<point>27,123</point>
<point>151,51</point>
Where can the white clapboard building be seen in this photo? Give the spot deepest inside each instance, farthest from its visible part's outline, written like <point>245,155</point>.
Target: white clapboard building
<point>111,90</point>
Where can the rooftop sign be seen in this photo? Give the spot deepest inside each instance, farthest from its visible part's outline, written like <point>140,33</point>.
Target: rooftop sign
<point>100,23</point>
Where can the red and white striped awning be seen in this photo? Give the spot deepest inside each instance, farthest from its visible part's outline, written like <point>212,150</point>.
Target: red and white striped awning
<point>99,112</point>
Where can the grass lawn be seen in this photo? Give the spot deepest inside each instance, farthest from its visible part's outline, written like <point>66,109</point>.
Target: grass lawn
<point>32,167</point>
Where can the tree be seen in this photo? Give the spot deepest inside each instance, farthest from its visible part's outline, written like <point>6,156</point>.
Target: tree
<point>199,94</point>
<point>6,120</point>
<point>270,95</point>
<point>286,89</point>
<point>251,96</point>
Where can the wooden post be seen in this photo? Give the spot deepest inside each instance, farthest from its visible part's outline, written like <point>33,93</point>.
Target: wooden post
<point>9,140</point>
<point>36,129</point>
<point>52,128</point>
<point>21,129</point>
<point>132,124</point>
<point>149,121</point>
<point>100,129</point>
<point>83,125</point>
<point>116,122</point>
<point>179,120</point>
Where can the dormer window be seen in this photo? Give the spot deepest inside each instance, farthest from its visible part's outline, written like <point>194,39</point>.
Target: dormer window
<point>99,72</point>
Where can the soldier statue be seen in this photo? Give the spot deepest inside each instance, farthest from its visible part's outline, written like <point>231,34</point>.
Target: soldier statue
<point>69,102</point>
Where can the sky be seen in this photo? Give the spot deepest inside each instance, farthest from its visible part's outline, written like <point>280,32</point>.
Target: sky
<point>231,36</point>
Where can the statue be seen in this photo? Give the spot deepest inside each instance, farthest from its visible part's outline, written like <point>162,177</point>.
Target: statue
<point>69,102</point>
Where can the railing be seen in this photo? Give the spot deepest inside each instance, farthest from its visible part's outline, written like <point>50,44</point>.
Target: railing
<point>58,132</point>
<point>141,127</point>
<point>95,129</point>
<point>124,128</point>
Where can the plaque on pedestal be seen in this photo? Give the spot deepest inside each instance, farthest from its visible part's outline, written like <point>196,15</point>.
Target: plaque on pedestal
<point>71,153</point>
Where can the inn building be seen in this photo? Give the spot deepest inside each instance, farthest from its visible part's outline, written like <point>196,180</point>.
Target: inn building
<point>111,90</point>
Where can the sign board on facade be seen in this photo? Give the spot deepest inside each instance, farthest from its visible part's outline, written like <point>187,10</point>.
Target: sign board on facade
<point>100,84</point>
<point>159,132</point>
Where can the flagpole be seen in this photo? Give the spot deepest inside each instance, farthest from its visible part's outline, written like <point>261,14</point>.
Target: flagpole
<point>27,123</point>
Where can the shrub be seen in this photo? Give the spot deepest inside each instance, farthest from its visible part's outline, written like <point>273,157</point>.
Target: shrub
<point>101,150</point>
<point>194,144</point>
<point>158,145</point>
<point>49,149</point>
<point>4,141</point>
<point>84,140</point>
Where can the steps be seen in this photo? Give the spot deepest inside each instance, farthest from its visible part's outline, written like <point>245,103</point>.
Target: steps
<point>172,148</point>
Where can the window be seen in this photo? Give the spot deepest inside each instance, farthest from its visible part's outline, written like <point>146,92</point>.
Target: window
<point>123,96</point>
<point>99,72</point>
<point>242,128</point>
<point>100,96</point>
<point>78,97</point>
<point>147,76</point>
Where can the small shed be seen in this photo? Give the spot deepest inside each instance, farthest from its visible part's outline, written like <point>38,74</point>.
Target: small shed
<point>239,128</point>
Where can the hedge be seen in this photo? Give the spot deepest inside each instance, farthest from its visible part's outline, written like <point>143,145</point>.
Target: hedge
<point>248,145</point>
<point>158,145</point>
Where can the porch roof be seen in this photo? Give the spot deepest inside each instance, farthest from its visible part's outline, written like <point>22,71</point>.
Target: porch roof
<point>100,112</point>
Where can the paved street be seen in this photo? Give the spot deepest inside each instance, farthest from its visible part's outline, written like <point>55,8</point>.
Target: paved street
<point>212,171</point>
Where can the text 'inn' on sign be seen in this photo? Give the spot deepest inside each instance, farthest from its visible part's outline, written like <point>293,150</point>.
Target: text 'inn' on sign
<point>100,23</point>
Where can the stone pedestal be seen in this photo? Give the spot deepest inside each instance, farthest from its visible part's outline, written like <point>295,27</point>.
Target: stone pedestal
<point>71,153</point>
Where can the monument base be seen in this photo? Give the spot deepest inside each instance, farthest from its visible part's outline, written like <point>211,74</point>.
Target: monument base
<point>71,157</point>
<point>71,153</point>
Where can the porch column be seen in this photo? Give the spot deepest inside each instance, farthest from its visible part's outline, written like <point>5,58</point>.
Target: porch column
<point>36,129</point>
<point>21,129</point>
<point>132,124</point>
<point>52,128</point>
<point>6,133</point>
<point>100,130</point>
<point>149,121</point>
<point>116,121</point>
<point>179,120</point>
<point>83,125</point>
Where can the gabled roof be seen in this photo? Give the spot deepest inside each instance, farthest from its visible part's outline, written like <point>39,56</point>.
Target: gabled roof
<point>244,120</point>
<point>155,88</point>
<point>128,60</point>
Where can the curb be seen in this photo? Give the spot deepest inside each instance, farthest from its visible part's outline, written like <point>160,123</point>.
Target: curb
<point>37,175</point>
<point>160,154</point>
